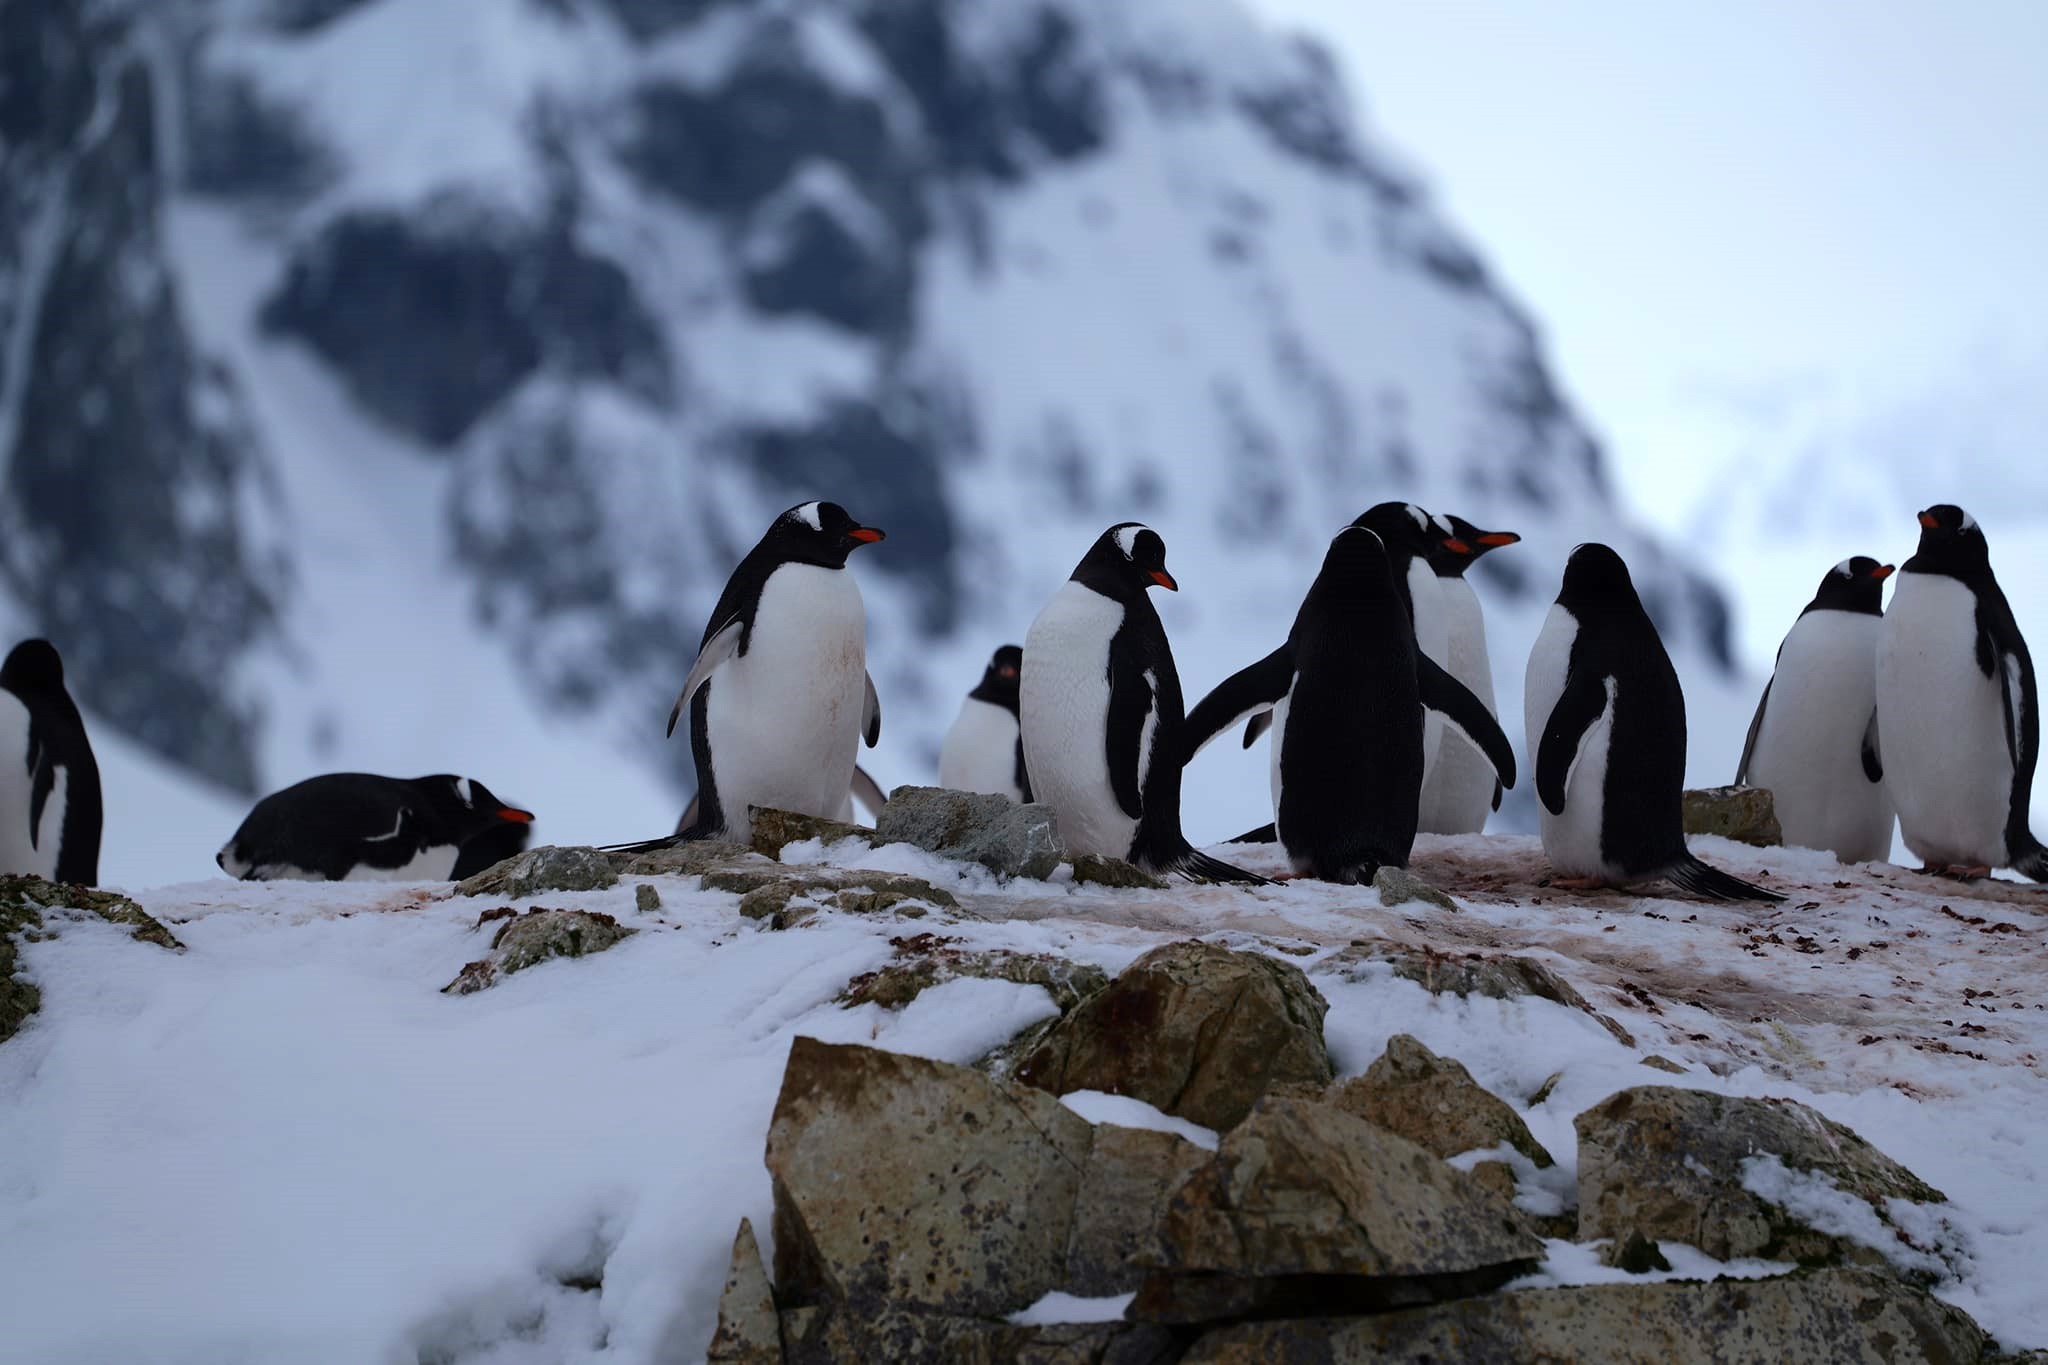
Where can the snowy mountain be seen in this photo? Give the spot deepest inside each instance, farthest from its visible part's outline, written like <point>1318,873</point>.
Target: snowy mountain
<point>392,384</point>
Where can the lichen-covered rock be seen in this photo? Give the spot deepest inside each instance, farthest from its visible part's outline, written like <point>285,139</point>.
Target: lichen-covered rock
<point>1434,1103</point>
<point>1843,1317</point>
<point>532,938</point>
<point>900,1180</point>
<point>1747,815</point>
<point>924,960</point>
<point>1397,886</point>
<point>1497,978</point>
<point>994,831</point>
<point>26,905</point>
<point>1306,1206</point>
<point>551,868</point>
<point>897,1336</point>
<point>748,1332</point>
<point>1130,1177</point>
<point>773,829</point>
<point>785,898</point>
<point>693,858</point>
<point>1192,1028</point>
<point>1635,1253</point>
<point>1097,869</point>
<point>1670,1163</point>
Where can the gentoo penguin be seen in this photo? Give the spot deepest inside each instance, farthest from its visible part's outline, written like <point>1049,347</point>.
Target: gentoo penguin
<point>779,697</point>
<point>1957,708</point>
<point>1813,741</point>
<point>503,839</point>
<point>1606,721</point>
<point>50,788</point>
<point>358,827</point>
<point>1348,692</point>
<point>866,792</point>
<point>984,751</point>
<point>1100,704</point>
<point>1462,789</point>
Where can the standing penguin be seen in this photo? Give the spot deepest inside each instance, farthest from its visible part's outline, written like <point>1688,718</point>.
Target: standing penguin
<point>1813,742</point>
<point>1102,712</point>
<point>359,827</point>
<point>1347,693</point>
<point>49,781</point>
<point>1958,709</point>
<point>984,751</point>
<point>780,698</point>
<point>1606,720</point>
<point>1462,789</point>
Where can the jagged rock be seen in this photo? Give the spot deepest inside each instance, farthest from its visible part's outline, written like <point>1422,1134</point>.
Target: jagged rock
<point>748,1332</point>
<point>772,829</point>
<point>1434,1103</point>
<point>693,858</point>
<point>1397,886</point>
<point>1130,1177</point>
<point>1669,1163</point>
<point>902,1337</point>
<point>1192,1028</point>
<point>925,960</point>
<point>1635,1253</point>
<point>1096,869</point>
<point>994,831</point>
<point>1745,814</point>
<point>646,898</point>
<point>1498,1177</point>
<point>532,938</point>
<point>1308,1208</point>
<point>1659,1063</point>
<point>786,899</point>
<point>1844,1317</point>
<point>1498,978</point>
<point>550,868</point>
<point>24,903</point>
<point>907,1181</point>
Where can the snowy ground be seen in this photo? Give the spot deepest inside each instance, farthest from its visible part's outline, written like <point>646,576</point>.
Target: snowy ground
<point>286,1144</point>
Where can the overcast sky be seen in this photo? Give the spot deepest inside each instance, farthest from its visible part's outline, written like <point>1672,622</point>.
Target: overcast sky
<point>1745,226</point>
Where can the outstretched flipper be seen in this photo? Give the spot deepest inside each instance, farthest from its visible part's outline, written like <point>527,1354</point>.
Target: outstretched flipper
<point>720,647</point>
<point>1251,692</point>
<point>1578,709</point>
<point>870,714</point>
<point>1467,715</point>
<point>1756,725</point>
<point>1701,879</point>
<point>867,791</point>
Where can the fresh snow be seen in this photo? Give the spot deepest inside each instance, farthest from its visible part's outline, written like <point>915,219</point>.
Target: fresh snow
<point>1819,1202</point>
<point>1057,1306</point>
<point>1124,1111</point>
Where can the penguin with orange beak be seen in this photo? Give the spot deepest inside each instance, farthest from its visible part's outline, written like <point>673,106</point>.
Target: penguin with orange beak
<point>1462,788</point>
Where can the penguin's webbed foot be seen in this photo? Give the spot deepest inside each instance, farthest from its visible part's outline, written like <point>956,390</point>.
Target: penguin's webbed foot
<point>1957,872</point>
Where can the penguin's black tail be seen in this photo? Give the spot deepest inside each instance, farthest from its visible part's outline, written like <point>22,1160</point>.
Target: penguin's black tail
<point>1264,834</point>
<point>1198,866</point>
<point>2032,863</point>
<point>652,845</point>
<point>1690,874</point>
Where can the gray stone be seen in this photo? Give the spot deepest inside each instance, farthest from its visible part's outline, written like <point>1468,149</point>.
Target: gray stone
<point>994,831</point>
<point>1474,973</point>
<point>646,898</point>
<point>692,858</point>
<point>1660,1063</point>
<point>775,829</point>
<point>786,898</point>
<point>1192,1028</point>
<point>1125,1188</point>
<point>1434,1103</point>
<point>1635,1253</point>
<point>1747,815</point>
<point>527,940</point>
<point>899,1336</point>
<point>925,960</point>
<point>1669,1163</point>
<point>1843,1317</point>
<point>543,869</point>
<point>748,1331</point>
<point>28,903</point>
<point>1098,869</point>
<point>1397,886</point>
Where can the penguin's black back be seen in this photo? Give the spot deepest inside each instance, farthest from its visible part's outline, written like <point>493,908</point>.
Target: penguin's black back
<point>34,673</point>
<point>336,822</point>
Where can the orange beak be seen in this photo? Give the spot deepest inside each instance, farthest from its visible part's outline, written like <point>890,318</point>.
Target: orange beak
<point>516,816</point>
<point>1496,539</point>
<point>1165,580</point>
<point>866,535</point>
<point>1457,546</point>
<point>1881,572</point>
<point>1927,520</point>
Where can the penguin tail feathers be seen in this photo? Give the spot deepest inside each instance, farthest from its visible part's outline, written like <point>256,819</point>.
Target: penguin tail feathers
<point>654,845</point>
<point>1198,866</point>
<point>1264,834</point>
<point>2032,863</point>
<point>1690,874</point>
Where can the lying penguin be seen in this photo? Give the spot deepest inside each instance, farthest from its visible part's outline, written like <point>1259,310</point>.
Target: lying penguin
<point>359,827</point>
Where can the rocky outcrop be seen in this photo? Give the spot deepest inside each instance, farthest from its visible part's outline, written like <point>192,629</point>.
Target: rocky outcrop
<point>1434,1103</point>
<point>922,961</point>
<point>530,939</point>
<point>994,831</point>
<point>1747,815</point>
<point>1095,869</point>
<point>1496,977</point>
<point>1194,1029</point>
<point>786,897</point>
<point>27,907</point>
<point>543,869</point>
<point>1127,1188</point>
<point>693,859</point>
<point>773,829</point>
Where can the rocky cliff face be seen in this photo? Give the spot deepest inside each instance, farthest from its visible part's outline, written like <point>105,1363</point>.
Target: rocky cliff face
<point>550,305</point>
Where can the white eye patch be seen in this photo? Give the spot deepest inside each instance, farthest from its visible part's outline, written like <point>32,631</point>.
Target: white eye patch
<point>808,515</point>
<point>1843,570</point>
<point>1421,517</point>
<point>1127,539</point>
<point>462,790</point>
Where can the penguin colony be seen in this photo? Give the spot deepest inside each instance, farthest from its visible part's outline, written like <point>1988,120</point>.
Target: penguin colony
<point>1379,704</point>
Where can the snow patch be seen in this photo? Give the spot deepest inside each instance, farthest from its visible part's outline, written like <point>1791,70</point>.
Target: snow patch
<point>1125,1111</point>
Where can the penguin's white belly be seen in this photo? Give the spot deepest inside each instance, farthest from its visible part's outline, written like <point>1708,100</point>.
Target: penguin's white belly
<point>433,864</point>
<point>980,751</point>
<point>1571,838</point>
<point>1432,637</point>
<point>1809,750</point>
<point>1457,795</point>
<point>1941,725</point>
<point>784,719</point>
<point>25,852</point>
<point>1277,743</point>
<point>1064,700</point>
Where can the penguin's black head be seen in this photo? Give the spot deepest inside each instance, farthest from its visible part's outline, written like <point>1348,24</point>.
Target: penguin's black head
<point>999,679</point>
<point>1853,585</point>
<point>1124,561</point>
<point>1951,542</point>
<point>1455,544</point>
<point>818,533</point>
<point>1355,565</point>
<point>1595,575</point>
<point>1405,529</point>
<point>467,806</point>
<point>33,664</point>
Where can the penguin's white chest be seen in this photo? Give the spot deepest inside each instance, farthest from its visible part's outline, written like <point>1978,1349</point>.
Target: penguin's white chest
<point>980,751</point>
<point>1809,749</point>
<point>1941,725</point>
<point>1571,838</point>
<point>1064,699</point>
<point>1457,795</point>
<point>784,718</point>
<point>24,850</point>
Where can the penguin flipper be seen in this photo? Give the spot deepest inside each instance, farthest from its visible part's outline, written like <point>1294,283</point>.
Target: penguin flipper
<point>1251,692</point>
<point>717,650</point>
<point>1756,725</point>
<point>1466,714</point>
<point>1496,793</point>
<point>870,715</point>
<point>1873,757</point>
<point>1578,709</point>
<point>1264,834</point>
<point>1702,879</point>
<point>867,791</point>
<point>1198,866</point>
<point>1133,710</point>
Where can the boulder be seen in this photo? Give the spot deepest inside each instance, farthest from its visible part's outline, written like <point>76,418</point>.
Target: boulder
<point>786,898</point>
<point>1635,1253</point>
<point>773,829</point>
<point>1844,1317</point>
<point>897,1336</point>
<point>1671,1163</point>
<point>1192,1028</point>
<point>1747,815</point>
<point>694,857</point>
<point>748,1332</point>
<point>527,940</point>
<point>1097,869</point>
<point>1308,1208</point>
<point>1125,1188</point>
<point>924,960</point>
<point>1397,886</point>
<point>994,831</point>
<point>900,1180</point>
<point>543,869</point>
<point>28,903</point>
<point>1496,977</point>
<point>1434,1103</point>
